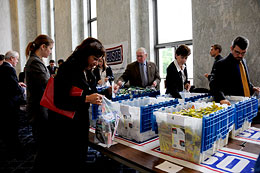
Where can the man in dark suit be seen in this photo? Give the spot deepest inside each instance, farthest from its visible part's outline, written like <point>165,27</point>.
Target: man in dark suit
<point>230,76</point>
<point>141,73</point>
<point>1,59</point>
<point>10,95</point>
<point>215,53</point>
<point>177,76</point>
<point>51,67</point>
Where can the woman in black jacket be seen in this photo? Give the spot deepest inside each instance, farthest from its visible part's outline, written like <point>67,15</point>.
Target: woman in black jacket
<point>103,73</point>
<point>177,76</point>
<point>69,137</point>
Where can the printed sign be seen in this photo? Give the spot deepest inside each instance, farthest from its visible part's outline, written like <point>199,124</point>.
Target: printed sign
<point>252,135</point>
<point>231,162</point>
<point>117,57</point>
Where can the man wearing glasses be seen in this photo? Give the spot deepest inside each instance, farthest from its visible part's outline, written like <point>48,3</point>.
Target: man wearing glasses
<point>230,76</point>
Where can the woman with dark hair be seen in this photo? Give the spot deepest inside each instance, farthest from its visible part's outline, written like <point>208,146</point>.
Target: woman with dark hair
<point>103,73</point>
<point>69,137</point>
<point>177,76</point>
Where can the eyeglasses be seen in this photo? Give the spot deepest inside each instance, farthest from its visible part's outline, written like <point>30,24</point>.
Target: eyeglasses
<point>239,53</point>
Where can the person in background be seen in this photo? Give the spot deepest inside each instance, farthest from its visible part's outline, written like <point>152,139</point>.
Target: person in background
<point>215,53</point>
<point>51,67</point>
<point>103,73</point>
<point>37,76</point>
<point>10,100</point>
<point>2,57</point>
<point>141,73</point>
<point>177,76</point>
<point>22,76</point>
<point>69,137</point>
<point>60,61</point>
<point>230,75</point>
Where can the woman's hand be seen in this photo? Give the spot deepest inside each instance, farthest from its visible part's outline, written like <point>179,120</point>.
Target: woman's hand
<point>94,99</point>
<point>106,79</point>
<point>187,86</point>
<point>116,88</point>
<point>100,82</point>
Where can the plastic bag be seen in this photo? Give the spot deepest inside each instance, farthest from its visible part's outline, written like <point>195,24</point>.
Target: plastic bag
<point>107,122</point>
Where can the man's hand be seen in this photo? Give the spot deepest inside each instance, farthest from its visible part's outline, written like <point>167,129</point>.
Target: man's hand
<point>256,89</point>
<point>119,83</point>
<point>225,102</point>
<point>154,84</point>
<point>206,75</point>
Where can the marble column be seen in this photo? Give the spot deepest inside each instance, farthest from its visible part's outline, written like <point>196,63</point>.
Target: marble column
<point>220,22</point>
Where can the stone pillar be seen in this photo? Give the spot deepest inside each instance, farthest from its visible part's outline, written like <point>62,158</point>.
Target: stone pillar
<point>126,20</point>
<point>220,22</point>
<point>5,28</point>
<point>63,30</point>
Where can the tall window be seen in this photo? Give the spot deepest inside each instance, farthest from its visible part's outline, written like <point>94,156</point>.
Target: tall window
<point>173,20</point>
<point>92,18</point>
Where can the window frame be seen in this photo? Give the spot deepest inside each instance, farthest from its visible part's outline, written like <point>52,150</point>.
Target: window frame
<point>90,19</point>
<point>158,46</point>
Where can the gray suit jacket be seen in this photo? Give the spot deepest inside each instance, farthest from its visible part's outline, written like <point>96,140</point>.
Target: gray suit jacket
<point>37,76</point>
<point>132,74</point>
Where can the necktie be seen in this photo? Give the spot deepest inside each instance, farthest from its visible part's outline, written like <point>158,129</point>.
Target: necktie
<point>143,76</point>
<point>244,80</point>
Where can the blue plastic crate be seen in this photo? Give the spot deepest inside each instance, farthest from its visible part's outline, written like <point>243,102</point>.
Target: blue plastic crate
<point>215,126</point>
<point>136,95</point>
<point>245,111</point>
<point>147,119</point>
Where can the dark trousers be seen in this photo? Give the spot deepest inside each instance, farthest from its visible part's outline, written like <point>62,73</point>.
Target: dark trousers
<point>65,146</point>
<point>9,132</point>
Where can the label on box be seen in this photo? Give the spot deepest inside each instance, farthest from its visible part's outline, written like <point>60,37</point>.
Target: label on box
<point>178,138</point>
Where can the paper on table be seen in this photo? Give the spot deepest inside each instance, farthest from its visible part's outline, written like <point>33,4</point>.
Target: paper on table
<point>169,167</point>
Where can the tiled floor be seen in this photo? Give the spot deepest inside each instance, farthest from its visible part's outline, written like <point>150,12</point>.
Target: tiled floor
<point>95,161</point>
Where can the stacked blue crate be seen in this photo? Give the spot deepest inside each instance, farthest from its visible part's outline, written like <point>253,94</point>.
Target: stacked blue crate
<point>136,95</point>
<point>215,126</point>
<point>245,111</point>
<point>147,119</point>
<point>195,98</point>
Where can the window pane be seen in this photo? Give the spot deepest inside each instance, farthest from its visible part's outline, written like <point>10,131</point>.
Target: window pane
<point>94,29</point>
<point>174,20</point>
<point>93,9</point>
<point>166,56</point>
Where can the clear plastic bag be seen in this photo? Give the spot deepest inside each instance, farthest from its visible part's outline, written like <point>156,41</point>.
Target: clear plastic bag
<point>107,122</point>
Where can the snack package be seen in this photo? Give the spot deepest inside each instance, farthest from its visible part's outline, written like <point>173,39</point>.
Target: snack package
<point>107,122</point>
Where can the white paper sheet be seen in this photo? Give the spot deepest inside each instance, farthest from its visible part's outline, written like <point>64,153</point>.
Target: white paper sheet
<point>169,167</point>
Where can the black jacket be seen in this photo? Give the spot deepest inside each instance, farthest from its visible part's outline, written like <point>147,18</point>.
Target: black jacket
<point>226,78</point>
<point>109,74</point>
<point>11,92</point>
<point>217,58</point>
<point>174,83</point>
